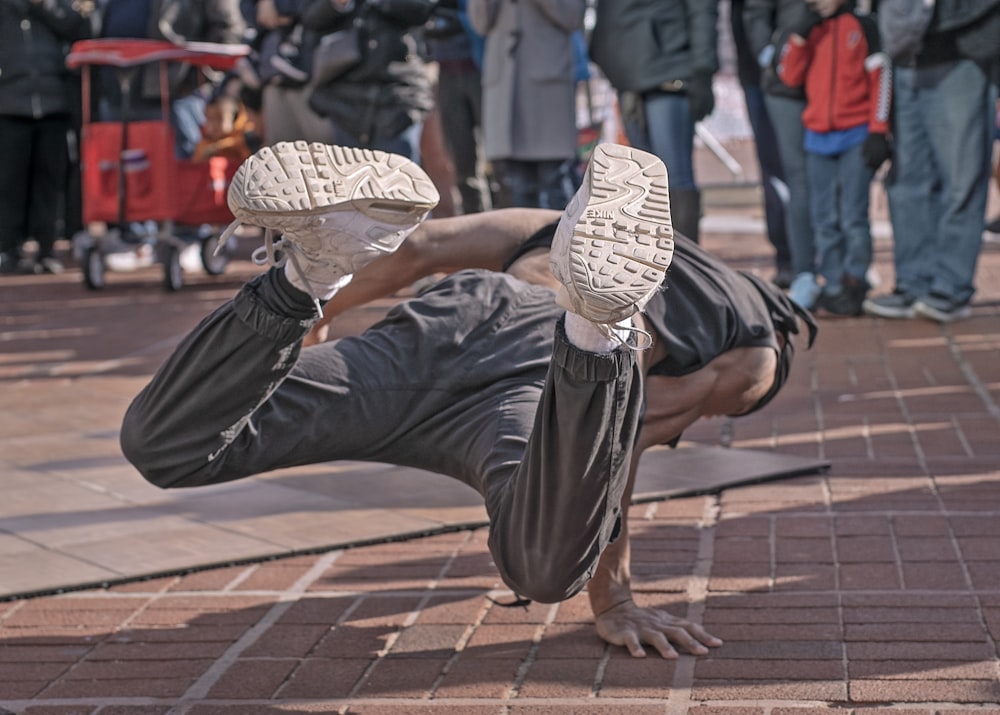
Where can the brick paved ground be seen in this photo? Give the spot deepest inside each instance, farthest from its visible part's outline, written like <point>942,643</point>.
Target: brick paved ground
<point>874,588</point>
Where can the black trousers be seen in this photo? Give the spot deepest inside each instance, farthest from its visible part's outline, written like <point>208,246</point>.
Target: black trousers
<point>34,161</point>
<point>474,379</point>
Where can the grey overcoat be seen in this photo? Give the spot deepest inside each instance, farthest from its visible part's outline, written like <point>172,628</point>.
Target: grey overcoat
<point>529,85</point>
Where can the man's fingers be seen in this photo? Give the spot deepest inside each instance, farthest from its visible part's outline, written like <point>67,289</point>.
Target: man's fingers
<point>659,641</point>
<point>635,649</point>
<point>688,636</point>
<point>704,636</point>
<point>631,627</point>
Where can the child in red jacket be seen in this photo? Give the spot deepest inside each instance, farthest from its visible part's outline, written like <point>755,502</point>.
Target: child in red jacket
<point>847,82</point>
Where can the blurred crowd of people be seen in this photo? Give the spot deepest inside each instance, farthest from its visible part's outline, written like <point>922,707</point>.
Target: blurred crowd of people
<point>485,95</point>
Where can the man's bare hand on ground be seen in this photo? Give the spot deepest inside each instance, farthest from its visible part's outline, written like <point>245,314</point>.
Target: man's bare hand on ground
<point>630,626</point>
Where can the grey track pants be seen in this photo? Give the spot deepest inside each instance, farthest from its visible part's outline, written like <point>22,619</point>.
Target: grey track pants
<point>475,379</point>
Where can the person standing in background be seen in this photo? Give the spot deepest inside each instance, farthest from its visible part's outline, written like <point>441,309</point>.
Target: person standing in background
<point>284,95</point>
<point>993,226</point>
<point>772,176</point>
<point>458,51</point>
<point>37,93</point>
<point>660,58</point>
<point>380,102</point>
<point>767,23</point>
<point>848,85</point>
<point>529,95</point>
<point>944,93</point>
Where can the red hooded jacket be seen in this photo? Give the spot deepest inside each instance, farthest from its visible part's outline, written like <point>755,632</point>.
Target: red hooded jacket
<point>847,78</point>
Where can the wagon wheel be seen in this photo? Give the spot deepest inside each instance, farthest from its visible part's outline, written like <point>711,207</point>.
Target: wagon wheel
<point>93,268</point>
<point>173,273</point>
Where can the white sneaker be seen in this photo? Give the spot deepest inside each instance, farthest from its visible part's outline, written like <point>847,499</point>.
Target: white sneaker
<point>614,241</point>
<point>337,208</point>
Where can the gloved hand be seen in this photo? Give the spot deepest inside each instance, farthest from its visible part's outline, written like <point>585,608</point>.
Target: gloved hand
<point>806,22</point>
<point>876,150</point>
<point>700,96</point>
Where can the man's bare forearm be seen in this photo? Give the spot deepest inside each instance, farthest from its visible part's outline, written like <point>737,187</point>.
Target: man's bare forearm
<point>611,584</point>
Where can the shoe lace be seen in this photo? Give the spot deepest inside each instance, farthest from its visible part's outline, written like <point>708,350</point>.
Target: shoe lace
<point>274,252</point>
<point>642,339</point>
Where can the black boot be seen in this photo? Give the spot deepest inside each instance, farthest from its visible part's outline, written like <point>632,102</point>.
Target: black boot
<point>685,212</point>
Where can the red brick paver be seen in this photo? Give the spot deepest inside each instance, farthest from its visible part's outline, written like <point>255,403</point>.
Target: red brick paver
<point>873,589</point>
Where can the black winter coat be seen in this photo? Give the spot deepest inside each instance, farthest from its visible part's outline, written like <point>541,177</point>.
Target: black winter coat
<point>34,40</point>
<point>645,44</point>
<point>390,89</point>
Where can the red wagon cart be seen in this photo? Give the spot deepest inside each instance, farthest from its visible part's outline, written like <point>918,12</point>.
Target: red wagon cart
<point>131,174</point>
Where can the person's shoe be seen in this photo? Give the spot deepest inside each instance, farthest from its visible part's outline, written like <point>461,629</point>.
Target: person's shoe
<point>782,278</point>
<point>898,305</point>
<point>48,264</point>
<point>614,241</point>
<point>846,302</point>
<point>804,290</point>
<point>337,208</point>
<point>941,308</point>
<point>993,226</point>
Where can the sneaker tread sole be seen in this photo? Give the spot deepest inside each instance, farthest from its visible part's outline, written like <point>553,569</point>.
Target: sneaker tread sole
<point>622,241</point>
<point>299,178</point>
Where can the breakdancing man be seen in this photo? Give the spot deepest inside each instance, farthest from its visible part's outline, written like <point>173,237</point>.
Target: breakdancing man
<point>525,384</point>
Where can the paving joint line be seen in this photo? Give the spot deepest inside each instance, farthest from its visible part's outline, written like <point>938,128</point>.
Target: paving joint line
<point>200,688</point>
<point>679,700</point>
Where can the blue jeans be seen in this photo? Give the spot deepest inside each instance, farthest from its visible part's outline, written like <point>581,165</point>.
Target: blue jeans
<point>187,114</point>
<point>544,183</point>
<point>838,202</point>
<point>939,180</point>
<point>786,118</point>
<point>669,134</point>
<point>772,176</point>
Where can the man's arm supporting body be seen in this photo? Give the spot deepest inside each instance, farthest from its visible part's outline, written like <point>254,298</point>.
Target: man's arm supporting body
<point>730,384</point>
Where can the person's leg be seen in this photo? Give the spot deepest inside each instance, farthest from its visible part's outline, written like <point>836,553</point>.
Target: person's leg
<point>237,357</point>
<point>823,202</point>
<point>786,117</point>
<point>187,115</point>
<point>15,148</point>
<point>670,133</point>
<point>459,96</point>
<point>555,183</point>
<point>771,178</point>
<point>912,185</point>
<point>855,178</point>
<point>959,126</point>
<point>49,164</point>
<point>610,252</point>
<point>522,180</point>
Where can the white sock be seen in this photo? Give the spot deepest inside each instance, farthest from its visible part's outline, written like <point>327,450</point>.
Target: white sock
<point>320,291</point>
<point>587,336</point>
